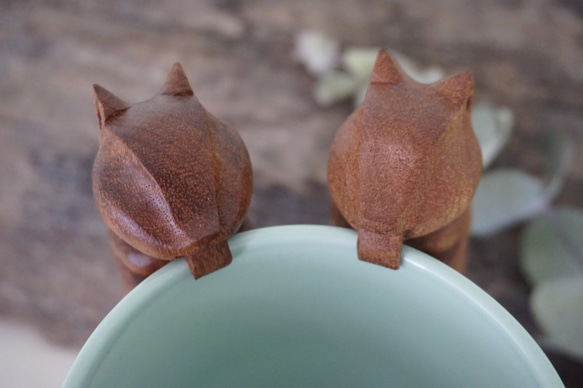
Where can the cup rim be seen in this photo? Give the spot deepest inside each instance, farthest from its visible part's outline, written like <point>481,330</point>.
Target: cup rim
<point>117,320</point>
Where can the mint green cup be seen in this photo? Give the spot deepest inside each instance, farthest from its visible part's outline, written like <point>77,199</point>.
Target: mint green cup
<point>296,308</point>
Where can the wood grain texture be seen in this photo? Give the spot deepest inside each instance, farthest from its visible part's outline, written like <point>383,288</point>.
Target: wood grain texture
<point>405,165</point>
<point>169,179</point>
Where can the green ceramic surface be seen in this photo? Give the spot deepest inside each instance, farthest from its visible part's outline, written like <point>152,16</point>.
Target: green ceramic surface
<point>296,308</point>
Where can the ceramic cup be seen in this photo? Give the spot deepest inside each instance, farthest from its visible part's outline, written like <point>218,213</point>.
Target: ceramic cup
<point>296,308</point>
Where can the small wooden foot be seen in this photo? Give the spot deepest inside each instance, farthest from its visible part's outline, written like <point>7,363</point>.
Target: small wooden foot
<point>133,264</point>
<point>336,218</point>
<point>448,244</point>
<point>246,225</point>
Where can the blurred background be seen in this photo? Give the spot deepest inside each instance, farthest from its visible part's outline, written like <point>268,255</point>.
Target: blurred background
<point>58,278</point>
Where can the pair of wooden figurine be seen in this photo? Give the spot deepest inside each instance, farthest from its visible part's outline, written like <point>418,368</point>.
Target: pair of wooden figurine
<point>171,180</point>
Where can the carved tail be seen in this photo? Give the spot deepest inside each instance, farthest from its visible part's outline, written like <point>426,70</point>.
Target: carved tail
<point>209,259</point>
<point>381,249</point>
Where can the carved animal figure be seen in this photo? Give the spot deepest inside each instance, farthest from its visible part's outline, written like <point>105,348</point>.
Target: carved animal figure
<point>169,179</point>
<point>405,166</point>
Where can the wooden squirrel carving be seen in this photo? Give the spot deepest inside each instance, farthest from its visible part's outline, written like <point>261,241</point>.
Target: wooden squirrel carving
<point>405,166</point>
<point>169,179</point>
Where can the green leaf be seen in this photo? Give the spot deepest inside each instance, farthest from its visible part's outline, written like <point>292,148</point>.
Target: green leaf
<point>505,197</point>
<point>335,86</point>
<point>552,246</point>
<point>359,61</point>
<point>359,95</point>
<point>316,51</point>
<point>558,154</point>
<point>492,127</point>
<point>425,75</point>
<point>558,308</point>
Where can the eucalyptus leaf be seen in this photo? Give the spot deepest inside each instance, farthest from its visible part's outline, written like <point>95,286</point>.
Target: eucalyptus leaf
<point>335,86</point>
<point>359,95</point>
<point>505,197</point>
<point>492,127</point>
<point>558,153</point>
<point>359,61</point>
<point>425,75</point>
<point>552,246</point>
<point>558,308</point>
<point>318,52</point>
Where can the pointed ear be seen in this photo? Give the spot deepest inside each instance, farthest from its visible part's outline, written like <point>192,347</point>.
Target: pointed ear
<point>458,89</point>
<point>386,69</point>
<point>107,104</point>
<point>176,83</point>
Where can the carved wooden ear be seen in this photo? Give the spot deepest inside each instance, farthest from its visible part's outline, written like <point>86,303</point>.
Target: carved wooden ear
<point>458,89</point>
<point>386,69</point>
<point>176,83</point>
<point>107,104</point>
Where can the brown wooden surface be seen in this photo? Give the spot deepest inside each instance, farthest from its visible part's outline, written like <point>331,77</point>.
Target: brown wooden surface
<point>169,179</point>
<point>56,269</point>
<point>406,164</point>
